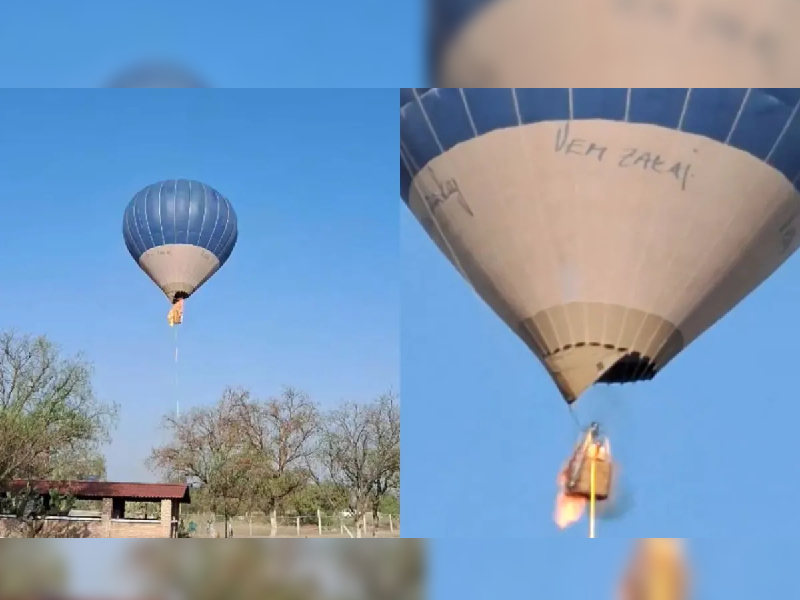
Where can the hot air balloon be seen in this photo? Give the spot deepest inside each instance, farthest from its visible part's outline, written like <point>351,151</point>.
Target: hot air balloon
<point>179,232</point>
<point>156,74</point>
<point>608,228</point>
<point>613,43</point>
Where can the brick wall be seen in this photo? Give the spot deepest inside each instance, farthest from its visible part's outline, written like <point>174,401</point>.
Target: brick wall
<point>116,528</point>
<point>104,526</point>
<point>121,528</point>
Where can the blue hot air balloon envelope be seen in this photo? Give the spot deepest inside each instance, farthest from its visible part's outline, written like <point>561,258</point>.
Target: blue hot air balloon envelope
<point>610,43</point>
<point>761,122</point>
<point>180,232</point>
<point>157,75</point>
<point>607,227</point>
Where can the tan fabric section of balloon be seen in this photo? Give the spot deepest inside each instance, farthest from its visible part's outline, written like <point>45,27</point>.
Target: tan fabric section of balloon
<point>606,246</point>
<point>617,43</point>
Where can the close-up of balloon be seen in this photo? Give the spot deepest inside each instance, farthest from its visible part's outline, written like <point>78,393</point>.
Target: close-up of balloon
<point>179,232</point>
<point>612,43</point>
<point>608,228</point>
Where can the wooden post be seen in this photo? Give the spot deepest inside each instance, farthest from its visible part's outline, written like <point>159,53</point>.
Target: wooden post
<point>391,523</point>
<point>319,522</point>
<point>341,525</point>
<point>364,524</point>
<point>298,526</point>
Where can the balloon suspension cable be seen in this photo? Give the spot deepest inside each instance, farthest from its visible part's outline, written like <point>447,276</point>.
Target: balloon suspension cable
<point>177,399</point>
<point>592,495</point>
<point>574,417</point>
<point>175,318</point>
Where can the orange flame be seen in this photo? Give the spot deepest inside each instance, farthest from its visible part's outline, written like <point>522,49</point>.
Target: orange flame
<point>175,314</point>
<point>570,509</point>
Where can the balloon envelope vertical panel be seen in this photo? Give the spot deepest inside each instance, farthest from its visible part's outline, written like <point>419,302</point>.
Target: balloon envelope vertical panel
<point>180,232</point>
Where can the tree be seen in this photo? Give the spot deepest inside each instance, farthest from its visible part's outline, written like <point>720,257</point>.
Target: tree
<point>30,509</point>
<point>394,571</point>
<point>206,449</point>
<point>384,423</point>
<point>48,410</point>
<point>238,572</point>
<point>279,434</point>
<point>51,424</point>
<point>360,448</point>
<point>80,462</point>
<point>325,496</point>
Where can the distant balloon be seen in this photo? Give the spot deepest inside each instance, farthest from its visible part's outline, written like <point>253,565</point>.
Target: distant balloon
<point>608,227</point>
<point>180,232</point>
<point>157,75</point>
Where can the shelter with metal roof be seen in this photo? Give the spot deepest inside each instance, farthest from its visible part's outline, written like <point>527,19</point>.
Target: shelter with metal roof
<point>111,520</point>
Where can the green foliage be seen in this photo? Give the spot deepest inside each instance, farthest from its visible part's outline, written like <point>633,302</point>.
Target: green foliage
<point>51,423</point>
<point>389,505</point>
<point>326,496</point>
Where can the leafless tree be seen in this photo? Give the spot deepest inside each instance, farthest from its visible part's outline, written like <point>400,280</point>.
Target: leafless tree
<point>385,426</point>
<point>206,448</point>
<point>279,433</point>
<point>360,448</point>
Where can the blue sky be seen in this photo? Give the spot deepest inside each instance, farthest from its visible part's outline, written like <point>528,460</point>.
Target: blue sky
<point>236,44</point>
<point>310,295</point>
<point>705,448</point>
<point>568,570</point>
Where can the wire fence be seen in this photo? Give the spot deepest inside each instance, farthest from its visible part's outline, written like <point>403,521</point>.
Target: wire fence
<point>304,526</point>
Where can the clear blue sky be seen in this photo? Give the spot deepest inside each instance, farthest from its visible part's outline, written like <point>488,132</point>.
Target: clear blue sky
<point>310,295</point>
<point>706,447</point>
<point>569,570</point>
<point>240,43</point>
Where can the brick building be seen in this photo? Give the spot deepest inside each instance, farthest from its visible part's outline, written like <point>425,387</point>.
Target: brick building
<point>111,520</point>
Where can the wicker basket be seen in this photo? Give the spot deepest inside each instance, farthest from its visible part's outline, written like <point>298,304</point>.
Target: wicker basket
<point>602,480</point>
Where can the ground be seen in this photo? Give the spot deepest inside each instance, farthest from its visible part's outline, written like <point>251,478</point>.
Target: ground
<point>287,527</point>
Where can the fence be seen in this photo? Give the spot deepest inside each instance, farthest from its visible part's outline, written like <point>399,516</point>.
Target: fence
<point>257,525</point>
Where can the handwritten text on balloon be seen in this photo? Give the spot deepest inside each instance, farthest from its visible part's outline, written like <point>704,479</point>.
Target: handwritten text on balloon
<point>623,158</point>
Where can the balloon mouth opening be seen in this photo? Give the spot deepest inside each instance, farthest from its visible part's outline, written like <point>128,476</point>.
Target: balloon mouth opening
<point>179,296</point>
<point>631,367</point>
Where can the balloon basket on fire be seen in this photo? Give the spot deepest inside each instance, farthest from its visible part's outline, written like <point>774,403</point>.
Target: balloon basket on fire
<point>586,479</point>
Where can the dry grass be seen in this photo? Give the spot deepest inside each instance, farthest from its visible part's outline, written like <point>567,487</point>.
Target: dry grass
<point>287,528</point>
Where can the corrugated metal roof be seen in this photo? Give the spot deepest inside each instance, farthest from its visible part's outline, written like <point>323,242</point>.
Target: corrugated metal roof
<point>108,489</point>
